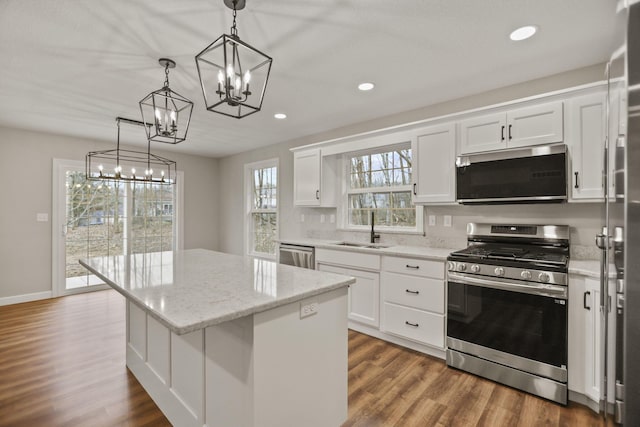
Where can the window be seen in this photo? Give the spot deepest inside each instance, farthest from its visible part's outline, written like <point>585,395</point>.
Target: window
<point>262,202</point>
<point>379,183</point>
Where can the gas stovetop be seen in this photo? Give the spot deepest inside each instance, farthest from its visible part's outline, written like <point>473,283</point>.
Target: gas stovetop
<point>520,252</point>
<point>524,254</point>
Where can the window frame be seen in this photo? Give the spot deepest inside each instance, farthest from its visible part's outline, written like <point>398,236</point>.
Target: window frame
<point>249,168</point>
<point>347,191</point>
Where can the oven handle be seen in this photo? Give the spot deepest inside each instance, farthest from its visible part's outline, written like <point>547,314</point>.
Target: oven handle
<point>541,289</point>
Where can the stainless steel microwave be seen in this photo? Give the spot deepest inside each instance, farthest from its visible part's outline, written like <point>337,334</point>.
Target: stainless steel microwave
<point>524,175</point>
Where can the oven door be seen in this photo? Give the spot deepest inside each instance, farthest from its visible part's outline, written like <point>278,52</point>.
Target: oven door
<point>514,323</point>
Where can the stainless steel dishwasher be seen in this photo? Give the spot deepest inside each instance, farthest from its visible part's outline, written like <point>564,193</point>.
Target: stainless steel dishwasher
<point>297,255</point>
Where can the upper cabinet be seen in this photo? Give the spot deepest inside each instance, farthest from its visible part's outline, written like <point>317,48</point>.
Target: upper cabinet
<point>532,125</point>
<point>314,179</point>
<point>586,138</point>
<point>434,172</point>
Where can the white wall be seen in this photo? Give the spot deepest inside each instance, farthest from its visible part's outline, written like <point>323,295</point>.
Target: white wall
<point>583,218</point>
<point>26,160</point>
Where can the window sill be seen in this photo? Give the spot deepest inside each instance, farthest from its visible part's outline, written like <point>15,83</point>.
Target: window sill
<point>383,231</point>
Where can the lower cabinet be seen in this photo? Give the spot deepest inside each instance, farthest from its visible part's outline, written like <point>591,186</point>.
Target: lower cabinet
<point>397,299</point>
<point>586,361</point>
<point>413,294</point>
<point>364,294</point>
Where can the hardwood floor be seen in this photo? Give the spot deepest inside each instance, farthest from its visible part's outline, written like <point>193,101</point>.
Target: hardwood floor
<point>62,363</point>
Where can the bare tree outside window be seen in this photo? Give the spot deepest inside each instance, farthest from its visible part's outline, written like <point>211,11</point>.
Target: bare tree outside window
<point>381,183</point>
<point>263,210</point>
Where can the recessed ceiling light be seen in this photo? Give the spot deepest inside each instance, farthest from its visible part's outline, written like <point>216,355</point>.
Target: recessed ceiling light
<point>280,116</point>
<point>366,86</point>
<point>523,33</point>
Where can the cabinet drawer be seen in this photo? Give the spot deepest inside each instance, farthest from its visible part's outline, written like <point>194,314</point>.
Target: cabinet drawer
<point>416,267</point>
<point>348,259</point>
<point>419,292</point>
<point>417,325</point>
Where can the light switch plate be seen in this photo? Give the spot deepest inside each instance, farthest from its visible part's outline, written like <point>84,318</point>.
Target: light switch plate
<point>432,220</point>
<point>301,217</point>
<point>447,220</point>
<point>332,218</point>
<point>42,217</point>
<point>322,218</point>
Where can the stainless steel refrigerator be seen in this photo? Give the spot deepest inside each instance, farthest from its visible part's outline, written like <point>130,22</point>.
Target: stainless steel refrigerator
<point>620,236</point>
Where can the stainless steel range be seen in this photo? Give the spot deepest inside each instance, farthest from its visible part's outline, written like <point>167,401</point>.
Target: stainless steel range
<point>507,307</point>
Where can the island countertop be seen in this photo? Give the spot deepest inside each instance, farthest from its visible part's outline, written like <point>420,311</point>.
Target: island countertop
<point>192,289</point>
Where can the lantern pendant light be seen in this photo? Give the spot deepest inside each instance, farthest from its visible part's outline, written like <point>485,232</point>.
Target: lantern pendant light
<point>169,111</point>
<point>233,75</point>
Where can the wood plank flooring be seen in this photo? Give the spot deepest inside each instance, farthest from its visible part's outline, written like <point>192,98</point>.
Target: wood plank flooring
<point>62,363</point>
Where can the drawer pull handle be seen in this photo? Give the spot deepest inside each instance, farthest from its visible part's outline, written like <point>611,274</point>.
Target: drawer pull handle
<point>415,325</point>
<point>411,292</point>
<point>415,267</point>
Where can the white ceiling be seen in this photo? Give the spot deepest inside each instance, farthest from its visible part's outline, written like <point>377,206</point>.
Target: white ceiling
<point>70,67</point>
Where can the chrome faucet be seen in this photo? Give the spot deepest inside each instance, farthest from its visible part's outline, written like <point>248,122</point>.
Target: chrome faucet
<point>374,236</point>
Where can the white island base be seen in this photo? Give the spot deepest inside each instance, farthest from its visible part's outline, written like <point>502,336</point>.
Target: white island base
<point>268,369</point>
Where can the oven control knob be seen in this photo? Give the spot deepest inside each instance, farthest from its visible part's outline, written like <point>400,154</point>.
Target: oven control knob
<point>475,268</point>
<point>451,266</point>
<point>543,277</point>
<point>526,275</point>
<point>462,267</point>
<point>499,271</point>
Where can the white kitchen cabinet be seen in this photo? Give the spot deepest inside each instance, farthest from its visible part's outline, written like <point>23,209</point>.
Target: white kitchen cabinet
<point>586,137</point>
<point>532,125</point>
<point>413,293</point>
<point>586,341</point>
<point>314,179</point>
<point>364,294</point>
<point>434,157</point>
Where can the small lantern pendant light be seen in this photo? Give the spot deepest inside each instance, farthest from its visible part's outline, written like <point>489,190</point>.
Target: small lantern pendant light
<point>170,111</point>
<point>233,75</point>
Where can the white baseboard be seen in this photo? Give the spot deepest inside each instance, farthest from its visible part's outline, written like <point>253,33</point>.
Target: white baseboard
<point>25,298</point>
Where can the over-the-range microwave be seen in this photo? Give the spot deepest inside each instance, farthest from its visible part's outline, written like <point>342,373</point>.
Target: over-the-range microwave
<point>535,174</point>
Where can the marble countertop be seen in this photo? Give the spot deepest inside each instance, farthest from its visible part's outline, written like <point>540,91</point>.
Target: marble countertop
<point>192,289</point>
<point>589,268</point>
<point>424,252</point>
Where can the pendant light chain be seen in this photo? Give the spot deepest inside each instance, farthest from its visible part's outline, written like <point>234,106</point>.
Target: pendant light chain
<point>166,75</point>
<point>234,30</point>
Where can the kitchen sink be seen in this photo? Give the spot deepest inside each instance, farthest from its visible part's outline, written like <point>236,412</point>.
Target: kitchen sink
<point>362,245</point>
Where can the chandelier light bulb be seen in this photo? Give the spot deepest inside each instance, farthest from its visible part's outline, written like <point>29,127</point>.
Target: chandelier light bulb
<point>100,167</point>
<point>133,171</point>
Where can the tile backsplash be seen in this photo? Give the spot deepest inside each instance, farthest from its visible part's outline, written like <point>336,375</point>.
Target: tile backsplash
<point>584,220</point>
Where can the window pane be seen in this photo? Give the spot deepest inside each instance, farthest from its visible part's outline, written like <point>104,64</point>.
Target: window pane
<point>381,171</point>
<point>264,232</point>
<point>264,188</point>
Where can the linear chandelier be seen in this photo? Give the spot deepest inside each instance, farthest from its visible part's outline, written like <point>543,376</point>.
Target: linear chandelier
<point>171,112</point>
<point>233,75</point>
<point>130,165</point>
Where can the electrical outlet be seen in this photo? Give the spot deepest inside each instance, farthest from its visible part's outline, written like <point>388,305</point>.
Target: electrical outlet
<point>322,218</point>
<point>308,308</point>
<point>332,218</point>
<point>447,221</point>
<point>301,217</point>
<point>432,220</point>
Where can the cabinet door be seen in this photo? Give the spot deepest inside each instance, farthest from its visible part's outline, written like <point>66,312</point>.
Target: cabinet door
<point>577,332</point>
<point>364,294</point>
<point>537,124</point>
<point>306,178</point>
<point>586,144</point>
<point>434,168</point>
<point>594,349</point>
<point>364,297</point>
<point>483,133</point>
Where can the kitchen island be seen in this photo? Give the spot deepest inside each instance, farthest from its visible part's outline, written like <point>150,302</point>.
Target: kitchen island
<point>225,340</point>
